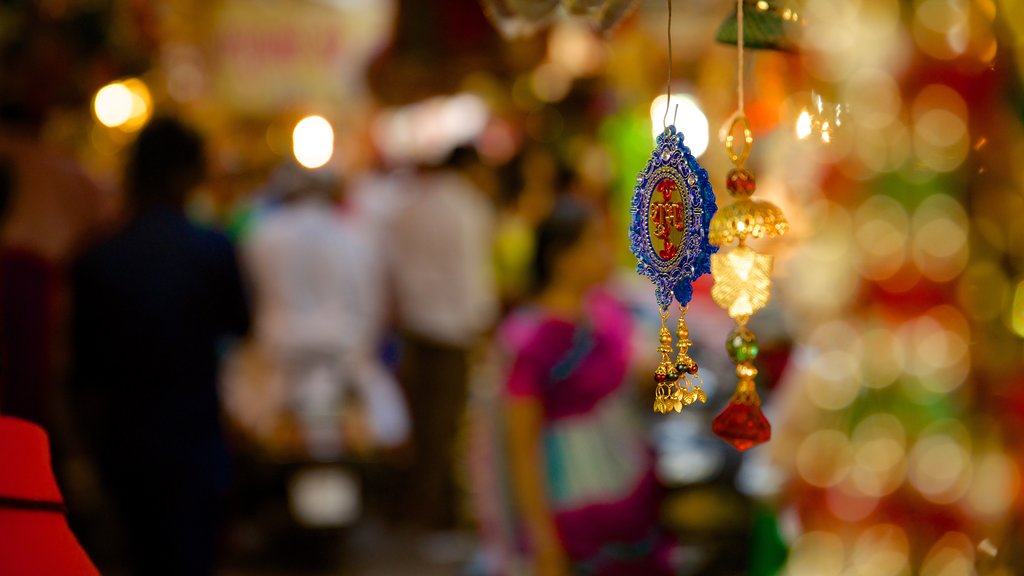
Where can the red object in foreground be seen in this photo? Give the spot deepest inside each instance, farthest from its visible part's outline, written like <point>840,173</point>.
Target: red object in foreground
<point>742,425</point>
<point>34,535</point>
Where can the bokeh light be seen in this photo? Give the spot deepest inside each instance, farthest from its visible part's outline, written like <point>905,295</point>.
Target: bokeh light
<point>824,457</point>
<point>952,554</point>
<point>983,290</point>
<point>125,104</point>
<point>550,82</point>
<point>937,348</point>
<point>803,125</point>
<point>313,141</point>
<point>940,28</point>
<point>941,139</point>
<point>848,504</point>
<point>882,356</point>
<point>879,445</point>
<point>817,553</point>
<point>688,118</point>
<point>880,550</point>
<point>940,247</point>
<point>995,484</point>
<point>940,462</point>
<point>882,230</point>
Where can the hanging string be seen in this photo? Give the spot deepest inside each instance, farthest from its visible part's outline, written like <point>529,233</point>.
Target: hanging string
<point>668,87</point>
<point>739,58</point>
<point>738,118</point>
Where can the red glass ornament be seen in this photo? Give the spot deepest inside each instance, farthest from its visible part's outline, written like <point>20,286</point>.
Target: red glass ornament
<point>740,182</point>
<point>742,425</point>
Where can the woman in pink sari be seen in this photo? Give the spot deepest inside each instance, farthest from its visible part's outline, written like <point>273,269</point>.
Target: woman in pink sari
<point>582,473</point>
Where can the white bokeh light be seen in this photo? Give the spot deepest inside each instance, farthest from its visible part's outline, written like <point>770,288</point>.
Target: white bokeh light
<point>124,104</point>
<point>113,104</point>
<point>690,120</point>
<point>313,141</point>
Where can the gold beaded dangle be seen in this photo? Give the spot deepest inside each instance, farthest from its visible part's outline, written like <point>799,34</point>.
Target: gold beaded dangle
<point>665,376</point>
<point>678,384</point>
<point>689,385</point>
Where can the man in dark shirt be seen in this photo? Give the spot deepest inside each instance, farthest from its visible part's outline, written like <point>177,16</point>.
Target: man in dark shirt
<point>151,306</point>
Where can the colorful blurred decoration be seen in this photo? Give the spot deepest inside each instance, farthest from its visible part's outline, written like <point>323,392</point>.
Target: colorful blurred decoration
<point>673,205</point>
<point>742,276</point>
<point>770,25</point>
<point>518,18</point>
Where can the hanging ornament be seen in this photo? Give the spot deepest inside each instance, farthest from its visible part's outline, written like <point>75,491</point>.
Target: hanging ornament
<point>671,213</point>
<point>770,25</point>
<point>742,276</point>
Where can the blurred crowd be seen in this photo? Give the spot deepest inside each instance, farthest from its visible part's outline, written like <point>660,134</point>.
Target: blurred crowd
<point>426,349</point>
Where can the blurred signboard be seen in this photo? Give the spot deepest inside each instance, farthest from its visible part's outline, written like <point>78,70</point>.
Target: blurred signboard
<point>270,54</point>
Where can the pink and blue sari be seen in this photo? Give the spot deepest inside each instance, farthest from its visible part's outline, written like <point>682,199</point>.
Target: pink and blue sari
<point>598,467</point>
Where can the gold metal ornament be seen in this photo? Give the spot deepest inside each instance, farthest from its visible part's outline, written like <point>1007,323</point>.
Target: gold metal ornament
<point>743,281</point>
<point>677,384</point>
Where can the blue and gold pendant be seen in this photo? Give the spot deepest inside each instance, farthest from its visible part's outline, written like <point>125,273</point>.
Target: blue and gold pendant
<point>673,204</point>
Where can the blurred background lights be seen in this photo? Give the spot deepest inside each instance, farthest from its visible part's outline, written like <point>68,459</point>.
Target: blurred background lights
<point>124,104</point>
<point>983,290</point>
<point>995,484</point>
<point>576,48</point>
<point>879,455</point>
<point>817,553</point>
<point>937,348</point>
<point>939,246</point>
<point>880,550</point>
<point>940,468</point>
<point>882,357</point>
<point>941,139</point>
<point>803,125</point>
<point>881,227</point>
<point>821,117</point>
<point>550,82</point>
<point>426,131</point>
<point>940,27</point>
<point>874,93</point>
<point>832,379</point>
<point>823,458</point>
<point>849,504</point>
<point>690,120</point>
<point>952,554</point>
<point>313,141</point>
<point>1017,313</point>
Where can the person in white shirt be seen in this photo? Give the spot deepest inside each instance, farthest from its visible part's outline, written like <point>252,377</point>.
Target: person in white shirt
<point>317,281</point>
<point>439,236</point>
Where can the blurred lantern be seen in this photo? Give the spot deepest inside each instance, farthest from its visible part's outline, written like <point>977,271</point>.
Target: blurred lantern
<point>769,25</point>
<point>518,18</point>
